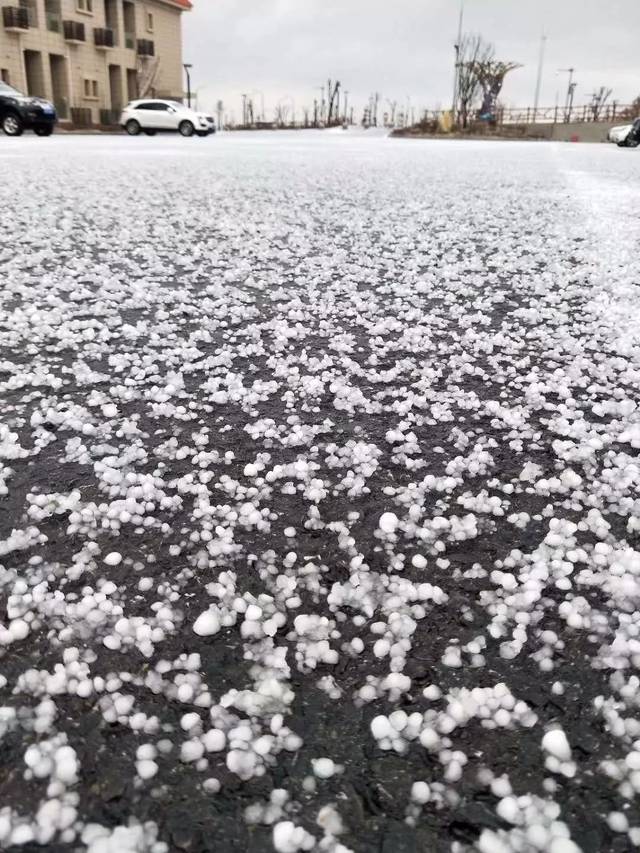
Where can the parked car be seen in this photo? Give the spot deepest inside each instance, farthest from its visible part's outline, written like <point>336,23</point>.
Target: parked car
<point>632,139</point>
<point>20,112</point>
<point>626,135</point>
<point>150,115</point>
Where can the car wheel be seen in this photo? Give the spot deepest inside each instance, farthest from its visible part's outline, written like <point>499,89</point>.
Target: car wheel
<point>186,128</point>
<point>12,125</point>
<point>43,131</point>
<point>132,127</point>
<point>633,144</point>
<point>150,132</point>
<point>622,144</point>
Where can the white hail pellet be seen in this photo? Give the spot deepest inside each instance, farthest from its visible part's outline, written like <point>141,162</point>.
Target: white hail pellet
<point>555,742</point>
<point>381,727</point>
<point>323,768</point>
<point>388,522</point>
<point>420,792</point>
<point>207,624</point>
<point>146,768</point>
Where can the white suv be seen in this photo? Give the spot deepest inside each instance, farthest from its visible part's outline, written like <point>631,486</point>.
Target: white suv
<point>151,115</point>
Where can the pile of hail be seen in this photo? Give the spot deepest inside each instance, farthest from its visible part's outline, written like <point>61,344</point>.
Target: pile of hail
<point>320,498</point>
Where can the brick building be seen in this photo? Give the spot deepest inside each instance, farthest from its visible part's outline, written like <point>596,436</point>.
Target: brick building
<point>92,56</point>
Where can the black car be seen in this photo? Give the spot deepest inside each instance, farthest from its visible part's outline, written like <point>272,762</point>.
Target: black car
<point>633,139</point>
<point>20,112</point>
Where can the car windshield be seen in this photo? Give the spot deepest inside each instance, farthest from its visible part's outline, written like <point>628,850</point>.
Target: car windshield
<point>6,89</point>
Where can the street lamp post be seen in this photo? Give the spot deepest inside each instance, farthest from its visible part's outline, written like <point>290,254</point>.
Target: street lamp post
<point>187,66</point>
<point>456,67</point>
<point>536,100</point>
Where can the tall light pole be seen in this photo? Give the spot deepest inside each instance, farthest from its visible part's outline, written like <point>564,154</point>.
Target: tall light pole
<point>261,93</point>
<point>456,67</point>
<point>536,100</point>
<point>187,66</point>
<point>346,102</point>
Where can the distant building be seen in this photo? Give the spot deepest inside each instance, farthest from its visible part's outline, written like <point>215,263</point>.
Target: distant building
<point>92,56</point>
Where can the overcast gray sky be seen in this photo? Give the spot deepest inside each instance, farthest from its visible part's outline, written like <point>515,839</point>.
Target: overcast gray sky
<point>404,48</point>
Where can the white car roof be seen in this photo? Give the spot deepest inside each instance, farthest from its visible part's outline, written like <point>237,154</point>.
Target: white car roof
<point>155,101</point>
<point>134,104</point>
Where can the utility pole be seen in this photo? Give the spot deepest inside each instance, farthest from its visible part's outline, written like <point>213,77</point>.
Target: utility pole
<point>456,67</point>
<point>244,110</point>
<point>346,102</point>
<point>536,99</point>
<point>571,87</point>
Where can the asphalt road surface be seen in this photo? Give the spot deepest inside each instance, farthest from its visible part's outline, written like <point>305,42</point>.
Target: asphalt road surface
<point>319,495</point>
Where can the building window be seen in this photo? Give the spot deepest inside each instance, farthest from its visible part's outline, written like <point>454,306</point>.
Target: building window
<point>85,6</point>
<point>32,11</point>
<point>91,89</point>
<point>53,14</point>
<point>5,76</point>
<point>150,22</point>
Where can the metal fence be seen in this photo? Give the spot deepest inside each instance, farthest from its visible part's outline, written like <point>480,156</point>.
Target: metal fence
<point>586,113</point>
<point>81,117</point>
<point>110,118</point>
<point>579,114</point>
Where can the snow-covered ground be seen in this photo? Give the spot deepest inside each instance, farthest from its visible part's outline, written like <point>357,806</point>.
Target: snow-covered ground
<point>319,495</point>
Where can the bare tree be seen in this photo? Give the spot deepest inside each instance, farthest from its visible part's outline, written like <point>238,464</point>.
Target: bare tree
<point>333,100</point>
<point>490,74</point>
<point>598,101</point>
<point>633,111</point>
<point>474,51</point>
<point>282,112</point>
<point>392,112</point>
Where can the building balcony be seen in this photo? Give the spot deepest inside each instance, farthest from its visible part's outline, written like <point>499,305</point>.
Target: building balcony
<point>15,18</point>
<point>74,31</point>
<point>103,37</point>
<point>146,48</point>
